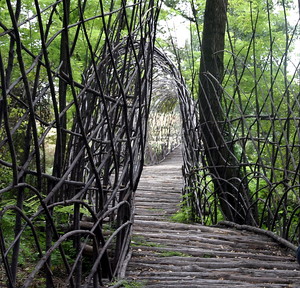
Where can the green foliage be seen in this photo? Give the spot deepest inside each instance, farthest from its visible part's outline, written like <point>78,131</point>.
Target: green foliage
<point>128,284</point>
<point>5,177</point>
<point>56,259</point>
<point>173,254</point>
<point>208,256</point>
<point>133,284</point>
<point>183,215</point>
<point>28,250</point>
<point>137,241</point>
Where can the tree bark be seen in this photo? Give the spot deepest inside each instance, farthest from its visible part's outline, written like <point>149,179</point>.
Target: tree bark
<point>218,143</point>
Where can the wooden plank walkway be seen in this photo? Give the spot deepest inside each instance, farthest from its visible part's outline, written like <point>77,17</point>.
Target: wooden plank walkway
<point>168,254</point>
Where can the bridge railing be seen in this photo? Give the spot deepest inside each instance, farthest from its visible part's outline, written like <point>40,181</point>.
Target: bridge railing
<point>242,150</point>
<point>75,92</point>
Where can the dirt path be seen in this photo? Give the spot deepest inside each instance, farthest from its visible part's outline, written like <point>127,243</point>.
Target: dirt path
<point>169,254</point>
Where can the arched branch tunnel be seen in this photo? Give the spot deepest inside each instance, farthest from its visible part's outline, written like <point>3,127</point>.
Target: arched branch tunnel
<point>81,115</point>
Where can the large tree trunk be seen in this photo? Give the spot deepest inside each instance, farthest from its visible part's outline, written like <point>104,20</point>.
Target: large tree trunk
<point>216,136</point>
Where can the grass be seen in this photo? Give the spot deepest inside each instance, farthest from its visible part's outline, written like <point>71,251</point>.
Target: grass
<point>127,284</point>
<point>208,256</point>
<point>173,253</point>
<point>181,217</point>
<point>142,241</point>
<point>133,284</point>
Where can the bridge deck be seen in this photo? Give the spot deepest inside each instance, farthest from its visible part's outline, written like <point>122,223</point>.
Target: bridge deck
<point>168,254</point>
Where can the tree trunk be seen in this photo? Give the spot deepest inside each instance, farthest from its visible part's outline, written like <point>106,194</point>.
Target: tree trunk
<point>223,166</point>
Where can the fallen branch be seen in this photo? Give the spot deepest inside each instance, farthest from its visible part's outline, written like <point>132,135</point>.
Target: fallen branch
<point>257,230</point>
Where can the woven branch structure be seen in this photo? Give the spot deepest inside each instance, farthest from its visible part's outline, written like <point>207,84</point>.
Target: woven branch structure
<point>86,100</point>
<point>74,116</point>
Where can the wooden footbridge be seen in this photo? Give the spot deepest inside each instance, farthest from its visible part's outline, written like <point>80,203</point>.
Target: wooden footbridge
<point>170,254</point>
<point>85,96</point>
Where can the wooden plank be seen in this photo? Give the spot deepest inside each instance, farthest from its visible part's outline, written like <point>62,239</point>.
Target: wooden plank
<point>168,254</point>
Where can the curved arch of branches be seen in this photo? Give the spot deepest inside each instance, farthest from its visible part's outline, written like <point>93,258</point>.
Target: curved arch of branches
<point>74,143</point>
<point>247,169</point>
